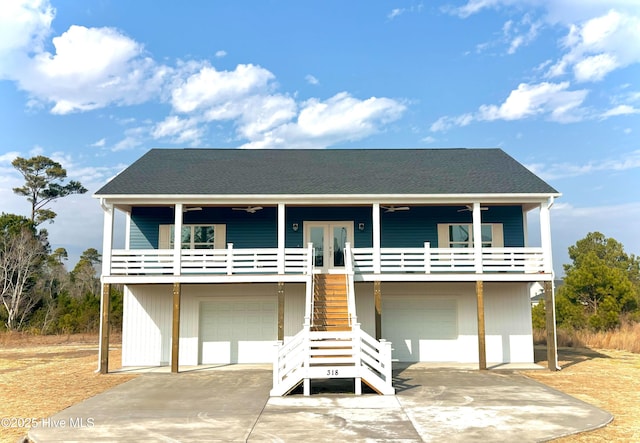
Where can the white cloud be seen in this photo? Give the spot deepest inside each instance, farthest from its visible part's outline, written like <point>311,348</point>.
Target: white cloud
<point>599,46</point>
<point>555,171</point>
<point>24,25</point>
<point>209,87</point>
<point>599,33</point>
<point>99,144</point>
<point>221,53</point>
<point>621,110</point>
<point>311,79</point>
<point>529,100</point>
<point>323,123</point>
<point>90,68</point>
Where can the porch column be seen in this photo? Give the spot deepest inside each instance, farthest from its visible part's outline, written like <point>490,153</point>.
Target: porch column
<point>377,300</point>
<point>550,317</point>
<point>177,239</point>
<point>375,215</point>
<point>482,346</point>
<point>107,239</point>
<point>175,328</point>
<point>104,329</point>
<point>127,230</point>
<point>545,234</point>
<point>280,311</point>
<point>281,237</point>
<point>477,237</point>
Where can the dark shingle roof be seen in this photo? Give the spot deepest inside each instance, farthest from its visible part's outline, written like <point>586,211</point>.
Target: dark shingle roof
<point>325,171</point>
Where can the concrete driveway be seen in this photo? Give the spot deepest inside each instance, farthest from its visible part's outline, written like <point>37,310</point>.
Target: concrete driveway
<point>232,404</point>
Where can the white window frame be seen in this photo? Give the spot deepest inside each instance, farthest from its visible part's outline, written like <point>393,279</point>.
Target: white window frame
<point>497,235</point>
<point>219,240</point>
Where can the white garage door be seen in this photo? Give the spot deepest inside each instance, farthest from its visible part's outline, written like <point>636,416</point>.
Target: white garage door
<point>420,328</point>
<point>238,331</point>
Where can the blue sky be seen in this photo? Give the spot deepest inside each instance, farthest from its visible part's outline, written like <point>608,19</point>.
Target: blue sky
<point>555,83</point>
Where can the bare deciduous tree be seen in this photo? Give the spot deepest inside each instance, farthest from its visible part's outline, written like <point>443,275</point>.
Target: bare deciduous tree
<point>21,254</point>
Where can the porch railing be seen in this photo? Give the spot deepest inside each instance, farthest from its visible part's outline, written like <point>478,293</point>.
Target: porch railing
<point>232,261</point>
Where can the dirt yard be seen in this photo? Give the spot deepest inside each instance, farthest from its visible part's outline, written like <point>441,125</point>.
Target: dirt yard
<point>40,376</point>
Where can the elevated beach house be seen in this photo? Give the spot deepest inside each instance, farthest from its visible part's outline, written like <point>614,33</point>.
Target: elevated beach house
<point>327,263</point>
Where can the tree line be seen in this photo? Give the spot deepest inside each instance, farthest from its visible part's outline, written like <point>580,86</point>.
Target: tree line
<point>38,293</point>
<point>600,290</point>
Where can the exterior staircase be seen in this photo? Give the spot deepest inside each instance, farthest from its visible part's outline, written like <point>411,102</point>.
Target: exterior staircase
<point>330,304</point>
<point>331,343</point>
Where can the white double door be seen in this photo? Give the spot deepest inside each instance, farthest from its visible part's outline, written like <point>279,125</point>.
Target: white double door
<point>329,240</point>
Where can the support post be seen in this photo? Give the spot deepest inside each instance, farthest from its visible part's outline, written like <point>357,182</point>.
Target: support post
<point>280,311</point>
<point>104,328</point>
<point>482,345</point>
<point>175,329</point>
<point>375,218</point>
<point>550,317</point>
<point>177,239</point>
<point>377,300</point>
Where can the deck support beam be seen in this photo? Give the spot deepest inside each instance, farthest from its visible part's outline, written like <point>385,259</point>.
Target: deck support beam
<point>175,328</point>
<point>482,344</point>
<point>104,328</point>
<point>377,300</point>
<point>550,317</point>
<point>280,311</point>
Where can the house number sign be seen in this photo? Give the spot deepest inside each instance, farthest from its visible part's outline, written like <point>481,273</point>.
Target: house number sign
<point>332,373</point>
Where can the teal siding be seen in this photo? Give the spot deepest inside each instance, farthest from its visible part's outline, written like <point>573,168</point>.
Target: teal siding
<point>399,229</point>
<point>405,229</point>
<point>144,226</point>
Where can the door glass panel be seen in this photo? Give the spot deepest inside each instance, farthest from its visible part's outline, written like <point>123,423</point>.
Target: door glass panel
<point>317,238</point>
<point>339,241</point>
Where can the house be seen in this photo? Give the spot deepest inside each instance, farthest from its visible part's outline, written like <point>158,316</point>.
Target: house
<point>328,263</point>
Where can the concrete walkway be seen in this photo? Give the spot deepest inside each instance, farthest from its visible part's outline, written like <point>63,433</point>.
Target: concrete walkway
<point>232,404</point>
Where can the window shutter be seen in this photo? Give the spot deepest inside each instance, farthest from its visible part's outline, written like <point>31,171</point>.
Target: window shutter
<point>164,238</point>
<point>443,235</point>
<point>498,235</point>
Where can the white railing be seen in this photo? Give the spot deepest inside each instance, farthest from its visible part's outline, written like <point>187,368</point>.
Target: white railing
<point>452,260</point>
<point>234,261</point>
<point>351,290</point>
<point>228,261</point>
<point>332,354</point>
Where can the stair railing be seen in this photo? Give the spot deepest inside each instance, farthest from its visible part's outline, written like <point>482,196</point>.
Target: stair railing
<point>308,314</point>
<point>351,291</point>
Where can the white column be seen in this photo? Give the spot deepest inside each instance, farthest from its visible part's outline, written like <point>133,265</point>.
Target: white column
<point>477,237</point>
<point>375,215</point>
<point>127,230</point>
<point>281,237</point>
<point>545,234</point>
<point>107,245</point>
<point>177,239</point>
<point>107,238</point>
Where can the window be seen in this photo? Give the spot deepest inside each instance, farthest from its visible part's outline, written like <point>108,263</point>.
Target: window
<point>461,235</point>
<point>194,236</point>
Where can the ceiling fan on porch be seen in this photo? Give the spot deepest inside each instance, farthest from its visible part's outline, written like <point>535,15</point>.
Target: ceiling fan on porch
<point>249,209</point>
<point>470,208</point>
<point>392,208</point>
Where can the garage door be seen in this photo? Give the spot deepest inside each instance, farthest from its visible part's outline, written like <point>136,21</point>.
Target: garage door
<point>238,331</point>
<point>420,328</point>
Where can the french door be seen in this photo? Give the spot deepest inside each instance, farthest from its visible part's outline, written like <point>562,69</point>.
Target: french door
<point>329,239</point>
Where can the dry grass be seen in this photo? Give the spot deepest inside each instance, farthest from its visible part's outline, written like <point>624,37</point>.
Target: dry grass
<point>625,338</point>
<point>42,375</point>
